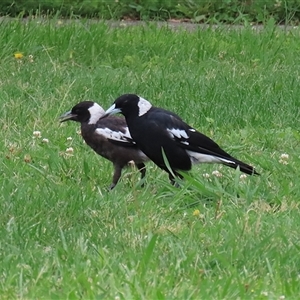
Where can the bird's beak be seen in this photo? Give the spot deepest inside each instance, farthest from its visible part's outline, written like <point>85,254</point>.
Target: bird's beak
<point>67,116</point>
<point>111,111</point>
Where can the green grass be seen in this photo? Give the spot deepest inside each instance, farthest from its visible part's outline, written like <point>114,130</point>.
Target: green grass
<point>204,11</point>
<point>63,236</point>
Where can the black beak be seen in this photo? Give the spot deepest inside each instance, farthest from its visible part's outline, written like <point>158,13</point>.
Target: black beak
<point>67,116</point>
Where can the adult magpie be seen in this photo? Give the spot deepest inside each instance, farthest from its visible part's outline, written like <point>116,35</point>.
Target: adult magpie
<point>108,137</point>
<point>163,136</point>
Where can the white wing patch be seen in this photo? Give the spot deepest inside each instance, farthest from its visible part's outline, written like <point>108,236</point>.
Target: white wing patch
<point>115,135</point>
<point>179,133</point>
<point>96,112</point>
<point>144,106</point>
<point>205,158</point>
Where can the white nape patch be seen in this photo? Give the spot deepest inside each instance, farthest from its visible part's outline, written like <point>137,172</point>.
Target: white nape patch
<point>115,135</point>
<point>197,158</point>
<point>192,130</point>
<point>96,111</point>
<point>144,106</point>
<point>179,133</point>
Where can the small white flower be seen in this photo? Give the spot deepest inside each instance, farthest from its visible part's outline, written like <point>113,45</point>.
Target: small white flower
<point>37,134</point>
<point>283,161</point>
<point>216,173</point>
<point>30,57</point>
<point>69,138</point>
<point>47,249</point>
<point>206,175</point>
<point>243,176</point>
<point>45,141</point>
<point>70,150</point>
<point>284,156</point>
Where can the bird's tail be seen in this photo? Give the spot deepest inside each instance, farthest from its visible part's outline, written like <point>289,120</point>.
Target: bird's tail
<point>235,163</point>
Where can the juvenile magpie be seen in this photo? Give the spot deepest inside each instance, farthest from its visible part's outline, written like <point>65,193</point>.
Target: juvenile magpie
<point>158,133</point>
<point>108,137</point>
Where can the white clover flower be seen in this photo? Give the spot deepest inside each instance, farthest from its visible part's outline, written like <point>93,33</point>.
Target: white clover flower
<point>206,175</point>
<point>284,156</point>
<point>45,141</point>
<point>47,249</point>
<point>70,150</point>
<point>216,173</point>
<point>69,138</point>
<point>37,134</point>
<point>282,161</point>
<point>243,176</point>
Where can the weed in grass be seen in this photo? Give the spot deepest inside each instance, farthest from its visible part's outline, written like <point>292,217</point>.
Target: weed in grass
<point>217,237</point>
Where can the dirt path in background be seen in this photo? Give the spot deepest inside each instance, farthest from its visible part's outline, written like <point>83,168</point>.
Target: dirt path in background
<point>172,24</point>
<point>179,25</point>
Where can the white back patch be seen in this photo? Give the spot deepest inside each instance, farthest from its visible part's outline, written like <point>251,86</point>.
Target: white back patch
<point>144,106</point>
<point>96,112</point>
<point>197,157</point>
<point>179,133</point>
<point>115,135</point>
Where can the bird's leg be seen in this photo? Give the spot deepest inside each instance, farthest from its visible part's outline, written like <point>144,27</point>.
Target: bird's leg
<point>116,176</point>
<point>172,179</point>
<point>111,186</point>
<point>142,168</point>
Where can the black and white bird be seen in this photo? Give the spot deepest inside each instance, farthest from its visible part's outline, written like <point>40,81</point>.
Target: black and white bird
<point>162,136</point>
<point>108,137</point>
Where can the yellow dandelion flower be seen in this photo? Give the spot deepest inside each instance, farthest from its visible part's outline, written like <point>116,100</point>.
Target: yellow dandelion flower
<point>196,212</point>
<point>18,55</point>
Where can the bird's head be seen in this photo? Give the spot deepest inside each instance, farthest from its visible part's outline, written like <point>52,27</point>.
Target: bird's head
<point>129,105</point>
<point>86,111</point>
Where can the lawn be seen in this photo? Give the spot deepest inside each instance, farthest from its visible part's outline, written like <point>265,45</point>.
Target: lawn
<point>64,236</point>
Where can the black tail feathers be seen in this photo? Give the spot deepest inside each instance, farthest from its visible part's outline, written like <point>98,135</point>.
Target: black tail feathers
<point>245,168</point>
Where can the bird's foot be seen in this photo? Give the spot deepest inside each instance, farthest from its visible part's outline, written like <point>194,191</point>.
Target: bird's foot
<point>111,187</point>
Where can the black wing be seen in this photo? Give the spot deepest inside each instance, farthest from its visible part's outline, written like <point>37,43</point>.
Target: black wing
<point>115,130</point>
<point>190,139</point>
<point>184,135</point>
